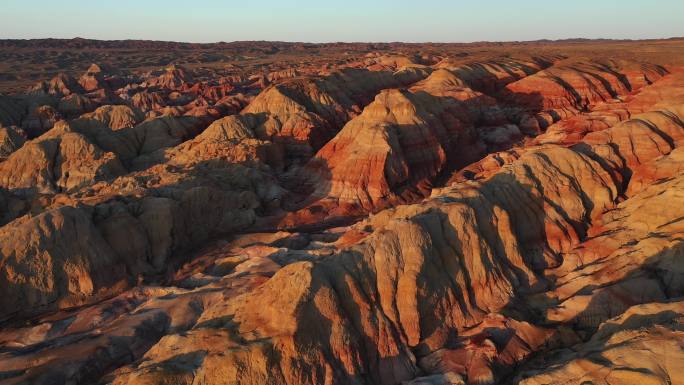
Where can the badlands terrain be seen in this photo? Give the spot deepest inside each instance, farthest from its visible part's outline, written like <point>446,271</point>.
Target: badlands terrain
<point>375,214</point>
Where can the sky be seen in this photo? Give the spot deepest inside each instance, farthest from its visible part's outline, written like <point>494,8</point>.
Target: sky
<point>343,20</point>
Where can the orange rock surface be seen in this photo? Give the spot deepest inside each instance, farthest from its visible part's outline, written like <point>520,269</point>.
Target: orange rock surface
<point>385,214</point>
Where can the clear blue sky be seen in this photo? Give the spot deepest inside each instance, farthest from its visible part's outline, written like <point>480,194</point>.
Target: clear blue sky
<point>343,20</point>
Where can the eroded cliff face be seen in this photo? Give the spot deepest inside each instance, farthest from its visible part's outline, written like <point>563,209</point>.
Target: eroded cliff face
<point>399,142</point>
<point>513,220</point>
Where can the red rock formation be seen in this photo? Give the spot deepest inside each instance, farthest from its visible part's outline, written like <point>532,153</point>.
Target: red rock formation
<point>11,139</point>
<point>639,346</point>
<point>58,161</point>
<point>491,76</point>
<point>173,77</point>
<point>477,254</point>
<point>306,113</point>
<point>92,79</point>
<point>147,101</point>
<point>407,289</point>
<point>397,144</point>
<point>567,89</point>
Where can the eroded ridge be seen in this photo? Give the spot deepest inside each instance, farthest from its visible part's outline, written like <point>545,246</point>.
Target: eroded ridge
<point>450,217</point>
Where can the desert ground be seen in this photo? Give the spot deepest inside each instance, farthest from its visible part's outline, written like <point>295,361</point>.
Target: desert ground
<point>344,213</point>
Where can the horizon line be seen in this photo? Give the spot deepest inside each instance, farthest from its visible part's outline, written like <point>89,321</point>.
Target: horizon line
<point>350,42</point>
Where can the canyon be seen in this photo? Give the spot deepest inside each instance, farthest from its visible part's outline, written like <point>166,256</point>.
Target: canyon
<point>346,213</point>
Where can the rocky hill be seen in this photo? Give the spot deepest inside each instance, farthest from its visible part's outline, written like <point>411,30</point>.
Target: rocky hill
<point>380,214</point>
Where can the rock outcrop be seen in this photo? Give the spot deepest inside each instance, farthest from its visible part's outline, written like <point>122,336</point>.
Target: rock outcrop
<point>11,139</point>
<point>384,310</point>
<point>567,89</point>
<point>306,113</point>
<point>399,142</point>
<point>642,345</point>
<point>58,162</point>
